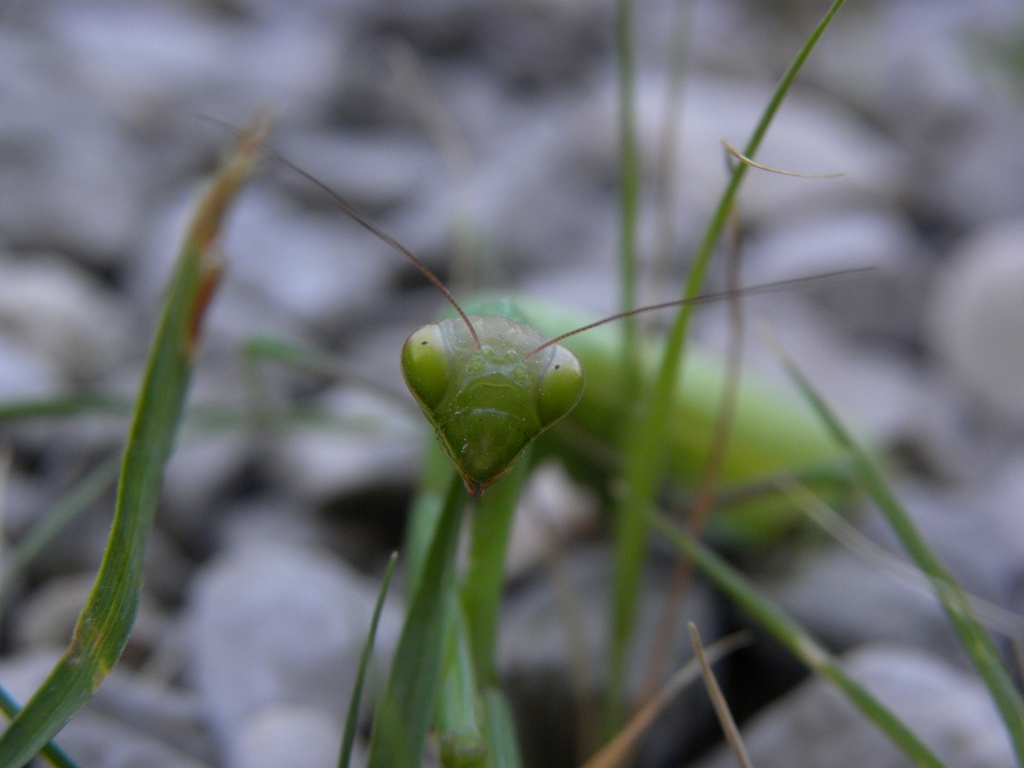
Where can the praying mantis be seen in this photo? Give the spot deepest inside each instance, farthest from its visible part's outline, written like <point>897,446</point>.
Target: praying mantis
<point>493,385</point>
<point>493,380</point>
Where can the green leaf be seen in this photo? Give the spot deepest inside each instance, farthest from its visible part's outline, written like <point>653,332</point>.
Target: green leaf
<point>51,752</point>
<point>106,620</point>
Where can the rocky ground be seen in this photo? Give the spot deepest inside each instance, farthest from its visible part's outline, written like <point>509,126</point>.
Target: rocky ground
<point>482,135</point>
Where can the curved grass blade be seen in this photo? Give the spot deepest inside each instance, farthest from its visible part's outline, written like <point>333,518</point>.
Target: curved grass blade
<point>955,602</point>
<point>352,720</point>
<point>808,650</point>
<point>106,620</point>
<point>647,434</point>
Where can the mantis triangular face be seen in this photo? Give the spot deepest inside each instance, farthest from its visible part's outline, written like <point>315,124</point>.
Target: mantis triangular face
<point>488,402</point>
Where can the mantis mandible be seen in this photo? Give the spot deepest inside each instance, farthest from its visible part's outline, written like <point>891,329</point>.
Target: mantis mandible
<point>491,385</point>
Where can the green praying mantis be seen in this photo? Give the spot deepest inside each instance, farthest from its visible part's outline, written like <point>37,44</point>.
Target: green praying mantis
<point>496,381</point>
<point>493,380</point>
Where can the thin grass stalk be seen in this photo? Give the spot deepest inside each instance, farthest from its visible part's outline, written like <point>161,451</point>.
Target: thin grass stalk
<point>629,195</point>
<point>725,718</point>
<point>71,405</point>
<point>348,738</point>
<point>503,750</point>
<point>458,714</point>
<point>645,438</point>
<point>668,146</point>
<point>618,750</point>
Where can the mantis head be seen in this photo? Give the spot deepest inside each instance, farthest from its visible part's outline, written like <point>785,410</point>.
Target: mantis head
<point>488,402</point>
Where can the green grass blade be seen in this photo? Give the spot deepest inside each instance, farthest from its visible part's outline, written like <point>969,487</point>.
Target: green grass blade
<point>975,640</point>
<point>793,637</point>
<point>106,620</point>
<point>352,719</point>
<point>407,706</point>
<point>629,196</point>
<point>645,440</point>
<point>52,753</point>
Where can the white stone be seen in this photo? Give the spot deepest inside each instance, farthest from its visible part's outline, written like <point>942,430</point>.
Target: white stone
<point>816,725</point>
<point>52,305</point>
<point>280,624</point>
<point>284,736</point>
<point>977,317</point>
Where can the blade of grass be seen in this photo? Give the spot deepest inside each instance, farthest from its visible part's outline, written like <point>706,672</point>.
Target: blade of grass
<point>991,615</point>
<point>808,650</point>
<point>352,719</point>
<point>666,164</point>
<point>106,620</point>
<point>629,196</point>
<point>437,477</point>
<point>975,640</point>
<point>405,710</point>
<point>258,349</point>
<point>52,753</point>
<point>645,437</point>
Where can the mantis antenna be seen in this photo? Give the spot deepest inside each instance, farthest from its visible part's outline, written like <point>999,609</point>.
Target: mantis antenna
<point>707,298</point>
<point>364,221</point>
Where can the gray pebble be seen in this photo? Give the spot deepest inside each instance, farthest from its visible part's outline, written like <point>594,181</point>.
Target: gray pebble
<point>816,725</point>
<point>279,624</point>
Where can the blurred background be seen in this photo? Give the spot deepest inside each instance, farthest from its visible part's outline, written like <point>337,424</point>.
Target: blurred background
<point>482,134</point>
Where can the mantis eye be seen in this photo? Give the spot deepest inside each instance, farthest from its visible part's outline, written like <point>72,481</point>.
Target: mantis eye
<point>559,386</point>
<point>425,365</point>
